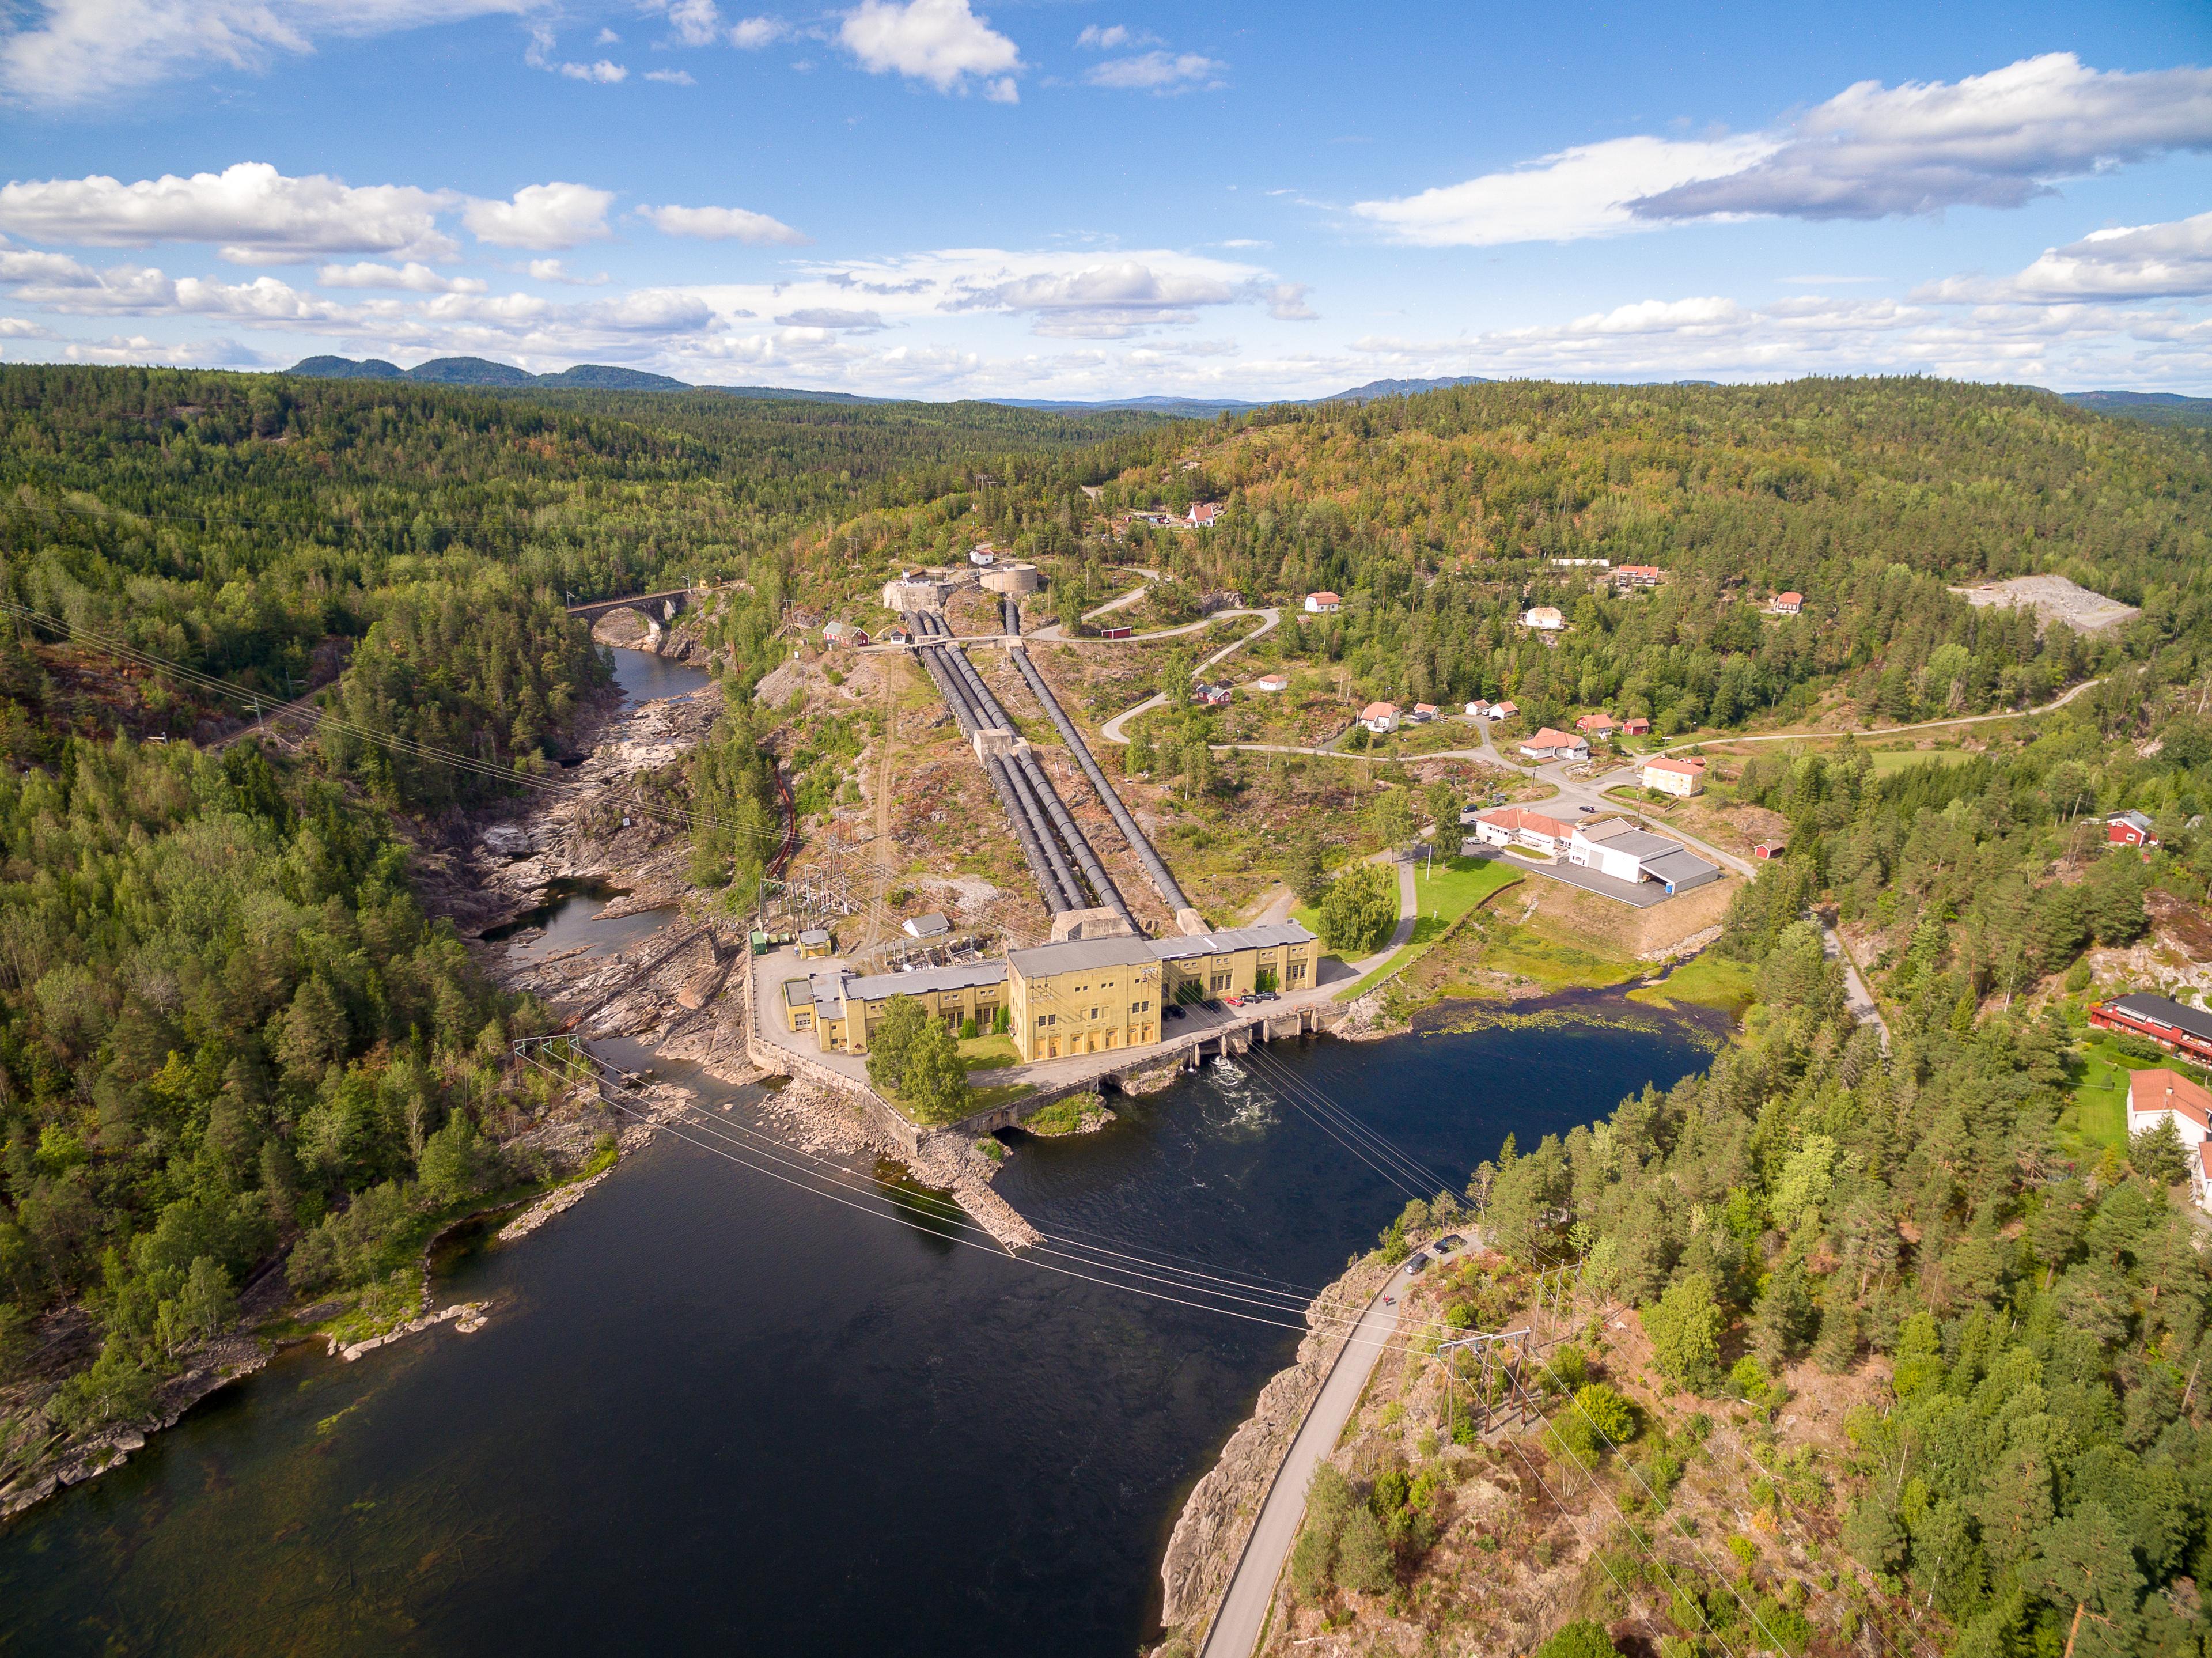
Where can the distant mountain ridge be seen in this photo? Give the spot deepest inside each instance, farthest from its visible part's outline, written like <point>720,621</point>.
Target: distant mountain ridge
<point>2165,408</point>
<point>482,371</point>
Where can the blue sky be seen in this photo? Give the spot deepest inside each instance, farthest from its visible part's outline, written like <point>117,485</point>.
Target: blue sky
<point>950,198</point>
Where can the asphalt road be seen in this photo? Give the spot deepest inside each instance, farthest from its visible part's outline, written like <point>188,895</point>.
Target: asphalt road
<point>1236,1629</point>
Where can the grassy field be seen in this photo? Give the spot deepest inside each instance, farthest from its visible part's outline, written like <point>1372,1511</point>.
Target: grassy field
<point>1705,980</point>
<point>1887,761</point>
<point>2096,1120</point>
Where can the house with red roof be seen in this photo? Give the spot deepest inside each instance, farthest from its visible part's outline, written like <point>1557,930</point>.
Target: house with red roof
<point>1522,827</point>
<point>2158,1095</point>
<point>1638,575</point>
<point>1323,603</point>
<point>1549,744</point>
<point>1203,513</point>
<point>1600,724</point>
<point>1638,727</point>
<point>1788,603</point>
<point>1380,718</point>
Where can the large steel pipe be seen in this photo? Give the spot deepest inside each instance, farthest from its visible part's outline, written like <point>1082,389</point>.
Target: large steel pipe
<point>1140,843</point>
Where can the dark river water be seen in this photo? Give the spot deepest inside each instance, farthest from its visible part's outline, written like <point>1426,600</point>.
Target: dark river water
<point>711,1413</point>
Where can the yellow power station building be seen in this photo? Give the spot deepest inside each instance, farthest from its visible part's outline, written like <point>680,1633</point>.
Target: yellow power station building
<point>1086,996</point>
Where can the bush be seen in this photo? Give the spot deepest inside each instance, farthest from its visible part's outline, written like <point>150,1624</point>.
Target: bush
<point>1580,1639</point>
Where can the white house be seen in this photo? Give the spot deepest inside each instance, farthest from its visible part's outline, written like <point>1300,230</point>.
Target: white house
<point>1271,682</point>
<point>2159,1095</point>
<point>1380,718</point>
<point>1549,744</point>
<point>1671,776</point>
<point>1478,709</point>
<point>1545,618</point>
<point>1500,712</point>
<point>1518,826</point>
<point>1323,603</point>
<point>983,555</point>
<point>1423,713</point>
<point>1203,513</point>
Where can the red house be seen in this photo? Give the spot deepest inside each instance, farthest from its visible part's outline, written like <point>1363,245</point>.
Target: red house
<point>2178,1030</point>
<point>2129,829</point>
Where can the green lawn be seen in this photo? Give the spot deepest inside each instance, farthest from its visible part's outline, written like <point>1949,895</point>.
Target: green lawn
<point>2096,1120</point>
<point>988,1053</point>
<point>988,1097</point>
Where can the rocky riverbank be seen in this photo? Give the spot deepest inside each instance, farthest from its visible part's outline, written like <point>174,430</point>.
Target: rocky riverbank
<point>1223,1506</point>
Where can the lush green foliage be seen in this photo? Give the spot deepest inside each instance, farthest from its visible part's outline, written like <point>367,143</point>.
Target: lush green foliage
<point>1360,910</point>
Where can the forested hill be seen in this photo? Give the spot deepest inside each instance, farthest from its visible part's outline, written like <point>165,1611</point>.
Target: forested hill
<point>1439,517</point>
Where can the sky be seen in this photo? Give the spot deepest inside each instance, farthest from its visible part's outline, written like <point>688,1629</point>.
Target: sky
<point>945,198</point>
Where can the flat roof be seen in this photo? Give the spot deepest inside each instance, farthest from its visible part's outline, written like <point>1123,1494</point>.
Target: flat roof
<point>964,975</point>
<point>1637,843</point>
<point>1266,937</point>
<point>1683,868</point>
<point>815,935</point>
<point>1080,955</point>
<point>798,992</point>
<point>927,926</point>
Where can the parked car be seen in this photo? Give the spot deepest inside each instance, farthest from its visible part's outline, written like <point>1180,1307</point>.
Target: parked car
<point>1174,1012</point>
<point>1448,1242</point>
<point>1413,1267</point>
<point>1234,1001</point>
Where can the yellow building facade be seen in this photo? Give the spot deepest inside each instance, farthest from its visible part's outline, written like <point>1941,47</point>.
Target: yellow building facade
<point>842,1010</point>
<point>1093,995</point>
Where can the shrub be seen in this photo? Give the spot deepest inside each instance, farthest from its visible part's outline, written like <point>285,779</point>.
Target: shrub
<point>1361,909</point>
<point>116,1388</point>
<point>1580,1639</point>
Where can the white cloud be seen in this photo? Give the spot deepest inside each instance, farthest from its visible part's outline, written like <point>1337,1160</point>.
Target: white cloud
<point>539,55</point>
<point>1158,72</point>
<point>1566,196</point>
<point>1113,37</point>
<point>696,22</point>
<point>1287,302</point>
<point>754,32</point>
<point>550,215</point>
<point>72,51</point>
<point>939,41</point>
<point>831,317</point>
<point>720,224</point>
<point>258,215</point>
<point>1994,140</point>
<point>674,77</point>
<point>410,277</point>
<point>554,270</point>
<point>2153,261</point>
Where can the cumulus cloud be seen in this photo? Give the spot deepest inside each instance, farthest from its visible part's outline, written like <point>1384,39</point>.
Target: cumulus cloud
<point>72,51</point>
<point>2153,261</point>
<point>257,215</point>
<point>1994,140</point>
<point>674,77</point>
<point>410,277</point>
<point>1287,302</point>
<point>545,216</point>
<point>941,41</point>
<point>696,22</point>
<point>720,224</point>
<point>556,271</point>
<point>754,32</point>
<point>1158,72</point>
<point>1569,195</point>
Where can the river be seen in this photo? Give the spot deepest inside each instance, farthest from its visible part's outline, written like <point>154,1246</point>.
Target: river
<point>711,1411</point>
